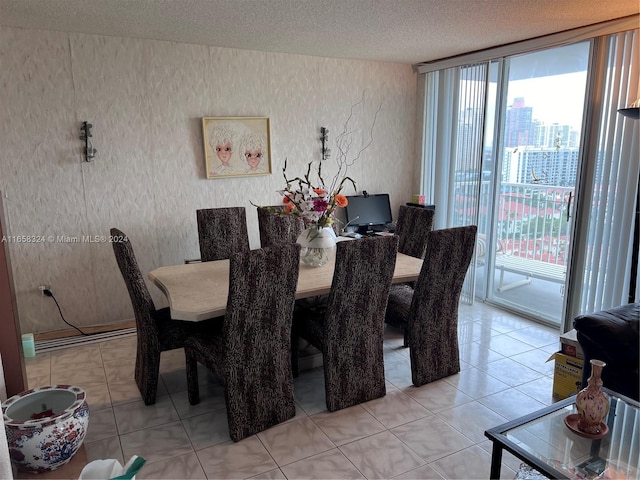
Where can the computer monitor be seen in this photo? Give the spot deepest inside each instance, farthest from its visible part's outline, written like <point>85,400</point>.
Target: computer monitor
<point>368,212</point>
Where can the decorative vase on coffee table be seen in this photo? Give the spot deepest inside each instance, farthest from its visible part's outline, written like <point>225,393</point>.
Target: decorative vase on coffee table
<point>318,246</point>
<point>45,426</point>
<point>591,402</point>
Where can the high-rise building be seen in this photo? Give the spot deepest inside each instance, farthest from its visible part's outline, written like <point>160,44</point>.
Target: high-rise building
<point>550,166</point>
<point>555,136</point>
<point>534,152</point>
<point>518,128</point>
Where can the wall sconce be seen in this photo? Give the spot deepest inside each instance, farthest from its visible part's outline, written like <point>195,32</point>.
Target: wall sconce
<point>632,111</point>
<point>324,138</point>
<point>85,135</point>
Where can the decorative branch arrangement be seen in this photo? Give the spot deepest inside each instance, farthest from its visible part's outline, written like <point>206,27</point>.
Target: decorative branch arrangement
<point>344,140</point>
<point>315,202</point>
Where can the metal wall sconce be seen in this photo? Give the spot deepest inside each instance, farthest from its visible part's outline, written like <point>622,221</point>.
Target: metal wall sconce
<point>324,138</point>
<point>85,135</point>
<point>632,111</point>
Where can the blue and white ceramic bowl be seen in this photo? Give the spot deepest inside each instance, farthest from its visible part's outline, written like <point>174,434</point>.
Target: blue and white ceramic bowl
<point>45,426</point>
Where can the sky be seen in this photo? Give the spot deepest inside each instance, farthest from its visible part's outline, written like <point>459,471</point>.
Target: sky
<point>552,82</point>
<point>555,99</point>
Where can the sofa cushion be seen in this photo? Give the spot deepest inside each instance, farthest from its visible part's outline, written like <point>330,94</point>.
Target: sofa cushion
<point>612,336</point>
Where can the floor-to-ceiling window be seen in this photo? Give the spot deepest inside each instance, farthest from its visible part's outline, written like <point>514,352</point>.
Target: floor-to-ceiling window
<point>505,148</point>
<point>535,164</point>
<point>607,200</point>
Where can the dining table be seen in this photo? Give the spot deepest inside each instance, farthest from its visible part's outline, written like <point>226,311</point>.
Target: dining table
<point>198,291</point>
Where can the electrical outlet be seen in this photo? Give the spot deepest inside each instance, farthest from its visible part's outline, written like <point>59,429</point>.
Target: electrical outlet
<point>43,288</point>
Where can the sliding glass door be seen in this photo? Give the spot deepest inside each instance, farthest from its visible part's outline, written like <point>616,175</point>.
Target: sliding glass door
<point>509,163</point>
<point>529,146</point>
<point>530,171</point>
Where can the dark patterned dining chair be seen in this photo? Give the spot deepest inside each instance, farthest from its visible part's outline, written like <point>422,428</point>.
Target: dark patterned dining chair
<point>276,228</point>
<point>222,232</point>
<point>252,354</point>
<point>429,311</point>
<point>349,330</point>
<point>156,331</point>
<point>413,227</point>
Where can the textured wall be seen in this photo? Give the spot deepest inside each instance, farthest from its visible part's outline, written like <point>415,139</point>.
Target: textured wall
<point>146,100</point>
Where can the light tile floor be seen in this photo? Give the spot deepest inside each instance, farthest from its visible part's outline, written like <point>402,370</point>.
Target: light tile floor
<point>435,431</point>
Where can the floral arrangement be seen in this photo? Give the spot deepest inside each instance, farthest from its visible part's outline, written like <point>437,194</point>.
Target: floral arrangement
<point>316,205</point>
<point>316,202</point>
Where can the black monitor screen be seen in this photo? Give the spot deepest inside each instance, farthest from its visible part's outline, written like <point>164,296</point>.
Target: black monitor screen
<point>368,211</point>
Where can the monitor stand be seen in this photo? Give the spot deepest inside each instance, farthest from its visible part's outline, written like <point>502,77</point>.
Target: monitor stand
<point>370,230</point>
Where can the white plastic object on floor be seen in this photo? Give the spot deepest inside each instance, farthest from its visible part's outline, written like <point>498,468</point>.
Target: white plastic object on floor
<point>112,469</point>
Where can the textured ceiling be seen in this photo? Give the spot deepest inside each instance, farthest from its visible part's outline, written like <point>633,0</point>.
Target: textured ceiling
<point>405,31</point>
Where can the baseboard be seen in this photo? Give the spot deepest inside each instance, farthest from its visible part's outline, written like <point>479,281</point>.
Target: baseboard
<point>309,357</point>
<point>81,340</point>
<point>71,332</point>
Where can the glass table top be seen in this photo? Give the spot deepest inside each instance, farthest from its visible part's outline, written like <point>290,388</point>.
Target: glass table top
<point>550,445</point>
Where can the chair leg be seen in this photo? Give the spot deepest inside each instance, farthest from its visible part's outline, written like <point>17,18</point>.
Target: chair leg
<point>256,404</point>
<point>352,378</point>
<point>434,359</point>
<point>193,391</point>
<point>406,337</point>
<point>295,340</point>
<point>146,374</point>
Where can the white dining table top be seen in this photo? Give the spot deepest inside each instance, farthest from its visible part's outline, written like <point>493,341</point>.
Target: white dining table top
<point>198,291</point>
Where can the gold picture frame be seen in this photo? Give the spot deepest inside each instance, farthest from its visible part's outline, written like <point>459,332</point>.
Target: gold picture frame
<point>236,146</point>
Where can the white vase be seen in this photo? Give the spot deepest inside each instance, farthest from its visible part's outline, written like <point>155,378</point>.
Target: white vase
<point>318,246</point>
<point>45,426</point>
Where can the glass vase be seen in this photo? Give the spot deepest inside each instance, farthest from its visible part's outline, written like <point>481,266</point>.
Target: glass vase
<point>318,246</point>
<point>591,402</point>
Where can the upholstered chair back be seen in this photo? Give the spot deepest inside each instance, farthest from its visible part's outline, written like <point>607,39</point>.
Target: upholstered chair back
<point>222,232</point>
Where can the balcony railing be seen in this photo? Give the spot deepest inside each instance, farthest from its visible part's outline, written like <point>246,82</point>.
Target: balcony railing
<point>531,238</point>
<point>532,221</point>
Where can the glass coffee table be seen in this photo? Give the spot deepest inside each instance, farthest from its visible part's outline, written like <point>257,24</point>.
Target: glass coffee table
<point>543,441</point>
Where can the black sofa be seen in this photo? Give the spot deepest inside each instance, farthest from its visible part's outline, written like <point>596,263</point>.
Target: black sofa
<point>612,336</point>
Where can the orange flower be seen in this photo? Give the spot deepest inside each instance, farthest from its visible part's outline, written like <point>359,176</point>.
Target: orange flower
<point>289,206</point>
<point>319,191</point>
<point>341,200</point>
